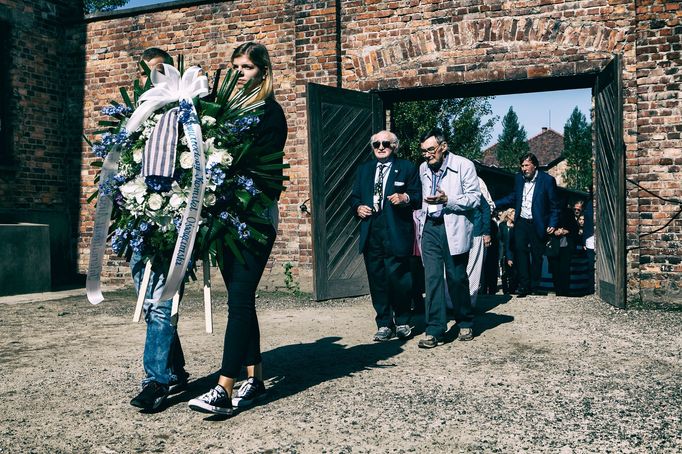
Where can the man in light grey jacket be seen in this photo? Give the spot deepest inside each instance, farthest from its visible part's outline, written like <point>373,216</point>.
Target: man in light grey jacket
<point>450,192</point>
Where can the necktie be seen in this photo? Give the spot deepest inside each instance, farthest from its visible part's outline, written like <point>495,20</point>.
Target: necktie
<point>379,189</point>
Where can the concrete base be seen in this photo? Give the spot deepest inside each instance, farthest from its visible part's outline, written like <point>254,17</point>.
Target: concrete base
<point>24,258</point>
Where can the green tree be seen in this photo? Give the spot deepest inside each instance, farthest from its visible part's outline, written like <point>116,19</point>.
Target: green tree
<point>461,121</point>
<point>93,6</point>
<point>512,142</point>
<point>578,151</point>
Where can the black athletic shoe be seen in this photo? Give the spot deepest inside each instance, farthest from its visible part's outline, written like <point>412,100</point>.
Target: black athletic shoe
<point>215,401</point>
<point>384,334</point>
<point>250,391</point>
<point>179,384</point>
<point>151,397</point>
<point>430,342</point>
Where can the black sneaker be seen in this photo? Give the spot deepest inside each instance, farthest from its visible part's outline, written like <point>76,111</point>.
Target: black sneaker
<point>178,384</point>
<point>250,391</point>
<point>465,334</point>
<point>215,401</point>
<point>403,331</point>
<point>151,397</point>
<point>430,342</point>
<point>383,334</point>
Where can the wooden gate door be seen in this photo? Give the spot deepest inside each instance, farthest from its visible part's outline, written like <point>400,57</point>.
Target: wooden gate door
<point>340,123</point>
<point>610,185</point>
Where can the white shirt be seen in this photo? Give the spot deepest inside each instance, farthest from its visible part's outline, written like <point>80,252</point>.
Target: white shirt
<point>527,197</point>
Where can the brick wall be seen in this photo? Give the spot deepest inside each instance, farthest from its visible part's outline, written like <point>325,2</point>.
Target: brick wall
<point>394,44</point>
<point>659,149</point>
<point>39,179</point>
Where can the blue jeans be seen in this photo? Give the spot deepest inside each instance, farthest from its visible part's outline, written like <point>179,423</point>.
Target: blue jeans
<point>163,359</point>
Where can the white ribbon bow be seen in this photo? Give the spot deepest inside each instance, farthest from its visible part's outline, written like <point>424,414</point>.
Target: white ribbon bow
<point>168,87</point>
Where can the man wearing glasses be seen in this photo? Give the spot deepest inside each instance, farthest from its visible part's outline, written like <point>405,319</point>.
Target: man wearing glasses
<point>450,194</point>
<point>385,192</point>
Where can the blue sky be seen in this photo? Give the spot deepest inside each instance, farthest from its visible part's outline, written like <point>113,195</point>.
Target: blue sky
<point>535,110</point>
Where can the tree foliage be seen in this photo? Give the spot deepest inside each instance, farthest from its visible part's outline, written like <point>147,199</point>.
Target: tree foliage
<point>578,151</point>
<point>94,6</point>
<point>512,143</point>
<point>461,120</point>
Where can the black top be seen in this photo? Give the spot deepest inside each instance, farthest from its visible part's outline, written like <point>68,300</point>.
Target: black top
<point>271,135</point>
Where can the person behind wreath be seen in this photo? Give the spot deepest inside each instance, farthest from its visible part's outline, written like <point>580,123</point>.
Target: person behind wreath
<point>163,360</point>
<point>385,193</point>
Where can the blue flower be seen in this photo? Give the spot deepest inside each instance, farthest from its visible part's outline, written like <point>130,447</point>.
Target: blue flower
<point>159,183</point>
<point>177,222</point>
<point>137,241</point>
<point>247,183</point>
<point>109,186</point>
<point>108,141</point>
<point>99,150</point>
<point>217,175</point>
<point>241,125</point>
<point>187,115</point>
<point>242,228</point>
<point>144,226</point>
<point>116,110</point>
<point>118,241</point>
<point>223,215</point>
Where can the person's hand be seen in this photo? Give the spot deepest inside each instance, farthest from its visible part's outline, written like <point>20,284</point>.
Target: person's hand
<point>364,211</point>
<point>510,263</point>
<point>487,240</point>
<point>550,230</point>
<point>398,199</point>
<point>439,198</point>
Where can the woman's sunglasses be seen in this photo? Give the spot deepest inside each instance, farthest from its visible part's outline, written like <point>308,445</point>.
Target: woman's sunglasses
<point>384,143</point>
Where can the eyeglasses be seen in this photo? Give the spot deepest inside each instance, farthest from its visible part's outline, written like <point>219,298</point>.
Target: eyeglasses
<point>383,143</point>
<point>430,150</point>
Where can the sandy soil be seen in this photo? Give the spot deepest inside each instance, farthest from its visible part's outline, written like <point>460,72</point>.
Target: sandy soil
<point>544,374</point>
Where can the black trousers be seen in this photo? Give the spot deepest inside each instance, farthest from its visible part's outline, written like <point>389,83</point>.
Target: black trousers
<point>441,268</point>
<point>528,259</point>
<point>389,276</point>
<point>242,336</point>
<point>560,267</point>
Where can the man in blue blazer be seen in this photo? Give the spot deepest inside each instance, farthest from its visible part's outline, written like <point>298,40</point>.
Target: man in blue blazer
<point>385,192</point>
<point>537,215</point>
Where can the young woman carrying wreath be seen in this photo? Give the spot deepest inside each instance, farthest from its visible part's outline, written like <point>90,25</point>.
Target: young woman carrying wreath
<point>242,274</point>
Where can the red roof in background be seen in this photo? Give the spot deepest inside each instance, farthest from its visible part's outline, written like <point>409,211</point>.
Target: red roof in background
<point>548,146</point>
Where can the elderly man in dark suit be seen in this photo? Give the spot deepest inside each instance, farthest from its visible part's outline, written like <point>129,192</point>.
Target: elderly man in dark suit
<point>385,192</point>
<point>537,215</point>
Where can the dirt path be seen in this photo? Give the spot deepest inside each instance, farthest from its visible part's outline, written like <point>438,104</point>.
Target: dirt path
<point>543,375</point>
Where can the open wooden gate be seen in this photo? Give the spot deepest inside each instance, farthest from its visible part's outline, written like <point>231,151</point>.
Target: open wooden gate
<point>340,125</point>
<point>610,185</point>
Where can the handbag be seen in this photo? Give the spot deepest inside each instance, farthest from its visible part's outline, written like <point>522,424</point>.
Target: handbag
<point>552,246</point>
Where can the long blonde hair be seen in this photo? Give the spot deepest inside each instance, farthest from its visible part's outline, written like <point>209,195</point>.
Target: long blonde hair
<point>259,56</point>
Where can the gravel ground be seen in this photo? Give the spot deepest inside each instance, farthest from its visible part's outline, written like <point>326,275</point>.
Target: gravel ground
<point>543,374</point>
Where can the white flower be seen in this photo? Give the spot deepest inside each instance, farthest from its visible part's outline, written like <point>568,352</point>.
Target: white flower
<point>208,145</point>
<point>183,140</point>
<point>186,160</point>
<point>209,199</point>
<point>137,155</point>
<point>216,155</point>
<point>134,190</point>
<point>178,197</point>
<point>155,201</point>
<point>207,120</point>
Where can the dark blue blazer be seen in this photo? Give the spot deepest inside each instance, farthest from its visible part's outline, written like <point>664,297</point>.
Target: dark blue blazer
<point>545,207</point>
<point>403,177</point>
